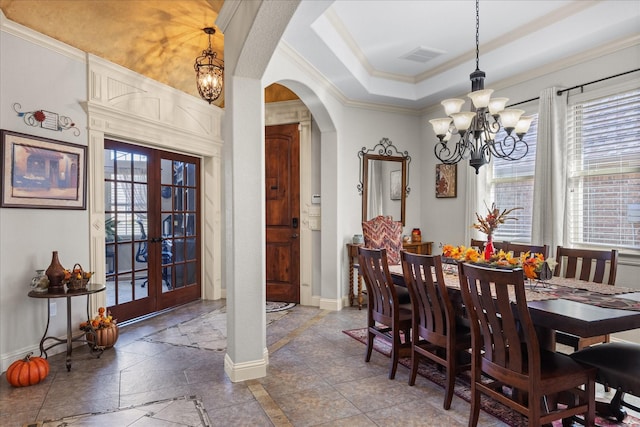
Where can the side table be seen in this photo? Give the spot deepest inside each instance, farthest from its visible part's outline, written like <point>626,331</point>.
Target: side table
<point>68,294</point>
<point>423,248</point>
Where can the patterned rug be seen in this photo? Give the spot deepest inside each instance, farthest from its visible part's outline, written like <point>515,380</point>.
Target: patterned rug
<point>208,331</point>
<point>272,307</point>
<point>463,388</point>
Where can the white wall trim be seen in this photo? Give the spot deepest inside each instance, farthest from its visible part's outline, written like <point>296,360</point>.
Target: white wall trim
<point>333,304</point>
<point>246,370</point>
<point>279,113</point>
<point>127,106</point>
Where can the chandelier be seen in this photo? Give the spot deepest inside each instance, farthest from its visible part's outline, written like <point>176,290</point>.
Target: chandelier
<point>209,71</point>
<point>477,129</point>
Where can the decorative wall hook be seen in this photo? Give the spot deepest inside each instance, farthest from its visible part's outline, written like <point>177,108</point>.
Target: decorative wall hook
<point>46,119</point>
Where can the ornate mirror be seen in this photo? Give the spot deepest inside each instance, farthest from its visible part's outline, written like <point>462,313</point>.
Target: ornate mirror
<point>384,180</point>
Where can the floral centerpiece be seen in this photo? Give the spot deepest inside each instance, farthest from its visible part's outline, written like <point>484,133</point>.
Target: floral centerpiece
<point>104,326</point>
<point>490,223</point>
<point>534,266</point>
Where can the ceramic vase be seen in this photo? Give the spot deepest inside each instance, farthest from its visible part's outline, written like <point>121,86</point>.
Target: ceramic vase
<point>55,274</point>
<point>40,282</point>
<point>489,250</point>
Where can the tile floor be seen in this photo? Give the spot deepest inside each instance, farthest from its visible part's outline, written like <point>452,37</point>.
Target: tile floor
<point>317,376</point>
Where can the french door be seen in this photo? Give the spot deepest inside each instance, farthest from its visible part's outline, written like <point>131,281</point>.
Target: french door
<point>152,208</point>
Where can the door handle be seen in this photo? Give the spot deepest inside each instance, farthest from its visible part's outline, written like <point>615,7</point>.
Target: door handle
<point>294,236</point>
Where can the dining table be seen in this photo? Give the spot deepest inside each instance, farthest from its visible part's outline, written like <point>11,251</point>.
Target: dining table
<point>574,306</point>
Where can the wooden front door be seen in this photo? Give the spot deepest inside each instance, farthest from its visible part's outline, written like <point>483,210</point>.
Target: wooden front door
<point>282,193</point>
<point>152,229</point>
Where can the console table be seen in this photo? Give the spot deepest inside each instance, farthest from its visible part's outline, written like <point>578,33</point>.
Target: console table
<point>70,339</point>
<point>423,248</point>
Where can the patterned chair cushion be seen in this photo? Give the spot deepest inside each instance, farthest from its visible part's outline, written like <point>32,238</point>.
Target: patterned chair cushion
<point>383,232</point>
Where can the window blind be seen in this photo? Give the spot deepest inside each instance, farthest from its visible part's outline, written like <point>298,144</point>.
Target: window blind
<point>604,171</point>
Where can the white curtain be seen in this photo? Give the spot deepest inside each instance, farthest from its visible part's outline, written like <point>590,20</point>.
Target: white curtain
<point>476,198</point>
<point>549,192</point>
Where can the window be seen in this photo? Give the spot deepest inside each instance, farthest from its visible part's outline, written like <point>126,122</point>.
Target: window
<point>511,185</point>
<point>604,169</point>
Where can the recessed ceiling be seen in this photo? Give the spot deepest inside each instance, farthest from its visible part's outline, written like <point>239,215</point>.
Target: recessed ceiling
<point>407,54</point>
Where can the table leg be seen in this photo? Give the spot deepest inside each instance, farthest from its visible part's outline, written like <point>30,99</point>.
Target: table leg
<point>69,335</point>
<point>360,298</point>
<point>350,281</point>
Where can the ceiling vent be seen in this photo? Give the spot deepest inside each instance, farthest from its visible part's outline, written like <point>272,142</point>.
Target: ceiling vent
<point>422,54</point>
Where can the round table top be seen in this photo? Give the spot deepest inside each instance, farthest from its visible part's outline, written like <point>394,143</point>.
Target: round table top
<point>92,288</point>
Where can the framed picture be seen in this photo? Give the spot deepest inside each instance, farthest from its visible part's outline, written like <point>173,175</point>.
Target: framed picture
<point>42,173</point>
<point>446,181</point>
<point>396,185</point>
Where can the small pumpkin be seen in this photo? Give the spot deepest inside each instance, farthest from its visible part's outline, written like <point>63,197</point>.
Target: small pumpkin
<point>27,371</point>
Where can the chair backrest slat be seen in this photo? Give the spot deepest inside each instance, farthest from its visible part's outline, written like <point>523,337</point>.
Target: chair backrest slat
<point>380,288</point>
<point>593,264</point>
<point>429,296</point>
<point>508,337</point>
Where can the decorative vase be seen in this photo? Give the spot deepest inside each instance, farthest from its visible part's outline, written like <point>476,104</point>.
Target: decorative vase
<point>489,250</point>
<point>55,274</point>
<point>39,282</point>
<point>105,337</point>
<point>416,235</point>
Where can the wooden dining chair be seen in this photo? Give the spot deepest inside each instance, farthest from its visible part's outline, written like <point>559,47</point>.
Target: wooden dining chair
<point>386,317</point>
<point>506,352</point>
<point>520,248</point>
<point>436,334</point>
<point>591,266</point>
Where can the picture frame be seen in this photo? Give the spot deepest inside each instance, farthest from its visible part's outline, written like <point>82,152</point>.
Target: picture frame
<point>42,173</point>
<point>395,188</point>
<point>446,181</point>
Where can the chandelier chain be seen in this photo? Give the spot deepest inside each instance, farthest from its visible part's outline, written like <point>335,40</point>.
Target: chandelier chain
<point>477,34</point>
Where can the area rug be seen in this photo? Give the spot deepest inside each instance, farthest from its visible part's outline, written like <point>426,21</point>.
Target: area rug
<point>463,387</point>
<point>207,332</point>
<point>272,307</point>
<point>183,410</point>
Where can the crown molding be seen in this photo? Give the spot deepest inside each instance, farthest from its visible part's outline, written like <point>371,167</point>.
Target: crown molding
<point>10,27</point>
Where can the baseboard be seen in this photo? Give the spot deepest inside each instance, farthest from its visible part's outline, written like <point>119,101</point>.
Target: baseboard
<point>246,370</point>
<point>331,304</point>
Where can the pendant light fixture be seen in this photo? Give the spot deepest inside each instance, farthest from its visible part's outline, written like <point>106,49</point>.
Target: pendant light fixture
<point>209,71</point>
<point>477,129</point>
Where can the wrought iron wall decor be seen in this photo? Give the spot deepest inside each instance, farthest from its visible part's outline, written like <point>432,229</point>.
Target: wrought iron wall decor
<point>46,119</point>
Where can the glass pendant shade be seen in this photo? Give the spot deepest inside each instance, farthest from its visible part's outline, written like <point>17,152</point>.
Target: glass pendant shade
<point>441,126</point>
<point>452,106</point>
<point>462,121</point>
<point>523,124</point>
<point>496,105</point>
<point>510,117</point>
<point>480,98</point>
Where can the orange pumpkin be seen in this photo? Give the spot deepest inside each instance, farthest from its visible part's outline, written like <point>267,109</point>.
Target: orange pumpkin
<point>28,371</point>
<point>107,337</point>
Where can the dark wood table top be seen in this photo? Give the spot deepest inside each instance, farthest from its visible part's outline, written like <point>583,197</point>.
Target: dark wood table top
<point>582,319</point>
<point>92,288</point>
<point>574,317</point>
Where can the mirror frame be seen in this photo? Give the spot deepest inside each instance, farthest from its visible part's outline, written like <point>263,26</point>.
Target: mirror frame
<point>386,151</point>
